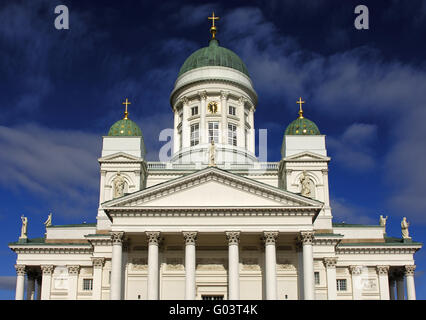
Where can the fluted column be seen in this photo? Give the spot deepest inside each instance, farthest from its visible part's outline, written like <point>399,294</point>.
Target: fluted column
<point>73,282</point>
<point>307,238</point>
<point>116,265</point>
<point>356,282</point>
<point>270,238</point>
<point>153,244</point>
<point>382,272</point>
<point>98,264</point>
<point>46,281</point>
<point>190,239</point>
<point>409,278</point>
<point>233,238</point>
<point>31,276</point>
<point>330,266</point>
<point>20,281</point>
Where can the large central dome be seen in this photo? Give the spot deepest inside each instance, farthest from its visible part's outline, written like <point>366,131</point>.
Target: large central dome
<point>213,55</point>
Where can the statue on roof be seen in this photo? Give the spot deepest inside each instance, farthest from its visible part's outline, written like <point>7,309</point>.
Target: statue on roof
<point>48,222</point>
<point>383,221</point>
<point>404,228</point>
<point>24,227</point>
<point>118,183</point>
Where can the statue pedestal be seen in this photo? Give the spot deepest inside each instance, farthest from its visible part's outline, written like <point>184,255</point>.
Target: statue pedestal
<point>23,240</point>
<point>407,240</point>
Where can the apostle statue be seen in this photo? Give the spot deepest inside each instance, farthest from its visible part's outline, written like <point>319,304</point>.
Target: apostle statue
<point>48,222</point>
<point>118,185</point>
<point>306,185</point>
<point>212,154</point>
<point>404,228</point>
<point>24,227</point>
<point>383,221</point>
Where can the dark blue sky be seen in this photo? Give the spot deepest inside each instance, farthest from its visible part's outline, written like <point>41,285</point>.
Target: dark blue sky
<point>60,91</point>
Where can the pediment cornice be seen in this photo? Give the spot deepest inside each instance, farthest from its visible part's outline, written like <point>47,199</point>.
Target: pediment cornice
<point>306,156</point>
<point>120,157</point>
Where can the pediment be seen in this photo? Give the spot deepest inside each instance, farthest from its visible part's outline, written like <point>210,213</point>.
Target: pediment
<point>307,156</point>
<point>120,157</point>
<point>212,187</point>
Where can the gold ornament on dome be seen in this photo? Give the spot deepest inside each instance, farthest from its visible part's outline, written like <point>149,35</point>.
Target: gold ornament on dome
<point>212,107</point>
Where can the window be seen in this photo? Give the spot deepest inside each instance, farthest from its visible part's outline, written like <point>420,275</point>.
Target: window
<point>194,111</point>
<point>232,134</point>
<point>214,132</point>
<point>341,285</point>
<point>180,139</point>
<point>209,297</point>
<point>317,277</point>
<point>232,110</point>
<point>195,134</point>
<point>246,138</point>
<point>87,284</point>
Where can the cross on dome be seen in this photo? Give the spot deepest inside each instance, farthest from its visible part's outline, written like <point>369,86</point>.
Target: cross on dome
<point>213,29</point>
<point>300,102</point>
<point>126,113</point>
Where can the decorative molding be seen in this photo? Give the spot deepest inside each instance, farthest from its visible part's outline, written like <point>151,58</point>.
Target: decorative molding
<point>355,270</point>
<point>250,264</point>
<point>376,250</point>
<point>20,269</point>
<point>117,237</point>
<point>139,264</point>
<point>211,264</point>
<point>47,270</point>
<point>174,264</point>
<point>409,270</point>
<point>47,249</point>
<point>98,262</point>
<point>382,270</point>
<point>224,95</point>
<point>73,270</point>
<point>286,267</point>
<point>202,95</point>
<point>270,237</point>
<point>190,237</point>
<point>233,237</point>
<point>307,237</point>
<point>330,262</point>
<point>153,237</point>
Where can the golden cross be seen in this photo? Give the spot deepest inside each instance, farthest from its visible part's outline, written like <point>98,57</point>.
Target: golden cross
<point>213,28</point>
<point>300,102</point>
<point>125,112</point>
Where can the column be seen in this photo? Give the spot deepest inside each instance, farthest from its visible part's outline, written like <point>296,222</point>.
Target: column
<point>203,123</point>
<point>153,243</point>
<point>185,124</point>
<point>409,276</point>
<point>98,264</point>
<point>39,287</point>
<point>116,265</point>
<point>356,282</point>
<point>20,281</point>
<point>251,140</point>
<point>382,272</point>
<point>102,187</point>
<point>270,237</point>
<point>233,238</point>
<point>175,131</point>
<point>190,239</point>
<point>224,113</point>
<point>299,250</point>
<point>330,267</point>
<point>307,238</point>
<point>400,294</point>
<point>46,281</point>
<point>31,276</point>
<point>73,282</point>
<point>241,131</point>
<point>392,285</point>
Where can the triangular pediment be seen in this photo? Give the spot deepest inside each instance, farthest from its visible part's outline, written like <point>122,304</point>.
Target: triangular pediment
<point>307,156</point>
<point>120,157</point>
<point>212,187</point>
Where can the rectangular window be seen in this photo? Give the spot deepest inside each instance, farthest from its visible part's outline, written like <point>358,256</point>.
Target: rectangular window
<point>195,134</point>
<point>194,111</point>
<point>214,132</point>
<point>211,297</point>
<point>341,285</point>
<point>317,277</point>
<point>232,110</point>
<point>232,134</point>
<point>87,284</point>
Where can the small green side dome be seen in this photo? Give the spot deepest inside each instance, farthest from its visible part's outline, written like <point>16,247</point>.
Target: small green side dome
<point>213,55</point>
<point>125,127</point>
<point>302,126</point>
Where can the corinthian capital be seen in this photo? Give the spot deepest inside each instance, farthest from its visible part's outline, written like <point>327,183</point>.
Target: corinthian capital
<point>190,237</point>
<point>184,100</point>
<point>330,262</point>
<point>269,237</point>
<point>409,270</point>
<point>153,237</point>
<point>73,270</point>
<point>47,269</point>
<point>98,262</point>
<point>355,270</point>
<point>224,95</point>
<point>117,237</point>
<point>203,95</point>
<point>233,237</point>
<point>307,237</point>
<point>20,269</point>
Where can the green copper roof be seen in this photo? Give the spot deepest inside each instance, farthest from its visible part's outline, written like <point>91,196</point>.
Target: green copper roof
<point>213,55</point>
<point>302,126</point>
<point>125,127</point>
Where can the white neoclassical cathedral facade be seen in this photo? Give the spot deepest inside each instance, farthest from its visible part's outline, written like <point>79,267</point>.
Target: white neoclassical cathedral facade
<point>215,222</point>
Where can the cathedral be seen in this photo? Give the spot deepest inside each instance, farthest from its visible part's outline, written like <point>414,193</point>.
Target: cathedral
<point>215,222</point>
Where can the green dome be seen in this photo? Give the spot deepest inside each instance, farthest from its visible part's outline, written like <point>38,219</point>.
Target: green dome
<point>125,127</point>
<point>213,55</point>
<point>302,126</point>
